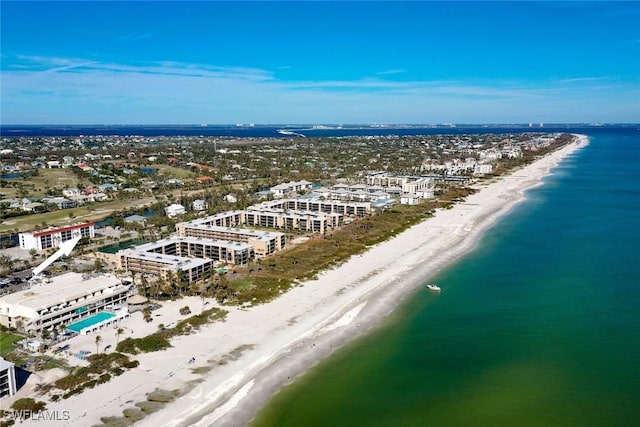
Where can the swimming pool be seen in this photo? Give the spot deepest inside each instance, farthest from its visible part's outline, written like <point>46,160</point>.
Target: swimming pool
<point>90,321</point>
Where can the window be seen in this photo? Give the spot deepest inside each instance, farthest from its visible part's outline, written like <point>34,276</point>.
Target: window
<point>45,241</point>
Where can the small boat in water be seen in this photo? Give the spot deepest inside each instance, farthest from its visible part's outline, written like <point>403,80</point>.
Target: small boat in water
<point>433,287</point>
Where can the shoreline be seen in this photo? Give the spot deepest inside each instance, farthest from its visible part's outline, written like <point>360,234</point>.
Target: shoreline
<point>243,361</point>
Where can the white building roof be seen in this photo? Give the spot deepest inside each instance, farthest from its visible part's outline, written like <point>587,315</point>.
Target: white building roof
<point>64,287</point>
<point>199,240</point>
<point>172,261</point>
<point>5,364</point>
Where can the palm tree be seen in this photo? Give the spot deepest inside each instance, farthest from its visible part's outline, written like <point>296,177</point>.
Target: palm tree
<point>167,285</point>
<point>98,341</point>
<point>45,334</point>
<point>6,263</point>
<point>146,314</point>
<point>181,281</point>
<point>119,332</point>
<point>61,328</point>
<point>156,286</point>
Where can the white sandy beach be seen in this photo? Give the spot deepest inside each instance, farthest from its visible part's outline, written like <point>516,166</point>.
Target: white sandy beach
<point>258,350</point>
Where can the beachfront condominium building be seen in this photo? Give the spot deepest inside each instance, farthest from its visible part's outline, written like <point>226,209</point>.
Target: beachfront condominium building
<point>53,237</point>
<point>224,219</point>
<point>317,204</point>
<point>384,179</point>
<point>315,222</point>
<point>237,253</point>
<point>7,378</point>
<point>62,300</point>
<point>312,214</point>
<point>264,243</point>
<point>189,258</point>
<point>182,268</point>
<point>422,186</point>
<point>482,169</point>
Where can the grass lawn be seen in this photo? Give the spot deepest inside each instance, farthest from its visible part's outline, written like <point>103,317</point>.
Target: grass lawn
<point>173,172</point>
<point>57,178</point>
<point>94,212</point>
<point>7,342</point>
<point>37,185</point>
<point>49,362</point>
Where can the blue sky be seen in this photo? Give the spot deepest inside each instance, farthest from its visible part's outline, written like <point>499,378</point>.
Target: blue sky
<point>319,62</point>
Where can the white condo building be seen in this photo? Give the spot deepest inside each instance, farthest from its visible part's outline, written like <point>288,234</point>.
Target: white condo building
<point>283,189</point>
<point>53,237</point>
<point>7,378</point>
<point>67,298</point>
<point>192,258</point>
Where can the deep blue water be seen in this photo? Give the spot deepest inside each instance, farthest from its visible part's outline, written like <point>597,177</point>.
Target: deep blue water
<point>538,326</point>
<point>11,176</point>
<point>272,130</point>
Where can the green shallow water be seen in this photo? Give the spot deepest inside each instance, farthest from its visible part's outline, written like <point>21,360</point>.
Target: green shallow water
<point>539,326</point>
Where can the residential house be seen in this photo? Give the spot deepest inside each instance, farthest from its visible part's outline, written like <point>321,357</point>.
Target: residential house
<point>409,199</point>
<point>72,192</point>
<point>175,210</point>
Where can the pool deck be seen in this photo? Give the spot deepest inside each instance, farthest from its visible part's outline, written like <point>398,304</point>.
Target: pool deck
<point>97,321</point>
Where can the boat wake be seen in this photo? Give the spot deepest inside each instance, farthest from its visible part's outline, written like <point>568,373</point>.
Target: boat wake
<point>290,133</point>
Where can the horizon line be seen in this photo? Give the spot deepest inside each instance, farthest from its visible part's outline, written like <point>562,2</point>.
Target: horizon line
<point>375,124</point>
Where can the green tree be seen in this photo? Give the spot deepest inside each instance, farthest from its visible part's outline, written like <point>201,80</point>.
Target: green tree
<point>119,333</point>
<point>98,341</point>
<point>45,334</point>
<point>6,264</point>
<point>146,314</point>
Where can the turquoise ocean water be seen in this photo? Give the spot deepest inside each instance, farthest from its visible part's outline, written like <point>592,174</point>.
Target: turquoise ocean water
<point>538,326</point>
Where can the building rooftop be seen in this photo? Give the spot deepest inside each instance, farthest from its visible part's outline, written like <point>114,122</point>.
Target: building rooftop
<point>256,234</point>
<point>62,288</point>
<point>200,240</point>
<point>135,218</point>
<point>5,364</point>
<point>61,229</point>
<point>172,261</point>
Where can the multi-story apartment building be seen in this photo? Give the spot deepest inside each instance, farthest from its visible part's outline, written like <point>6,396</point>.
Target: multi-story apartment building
<point>384,179</point>
<point>263,242</point>
<point>423,187</point>
<point>158,264</point>
<point>286,188</point>
<point>315,222</point>
<point>415,185</point>
<point>316,204</point>
<point>223,219</point>
<point>53,237</point>
<point>67,298</point>
<point>237,253</point>
<point>7,378</point>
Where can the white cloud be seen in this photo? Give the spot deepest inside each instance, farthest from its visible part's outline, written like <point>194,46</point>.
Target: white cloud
<point>392,71</point>
<point>72,90</point>
<point>581,79</point>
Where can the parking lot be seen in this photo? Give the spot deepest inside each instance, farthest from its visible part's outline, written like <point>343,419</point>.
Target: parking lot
<point>12,284</point>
